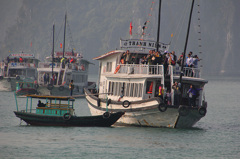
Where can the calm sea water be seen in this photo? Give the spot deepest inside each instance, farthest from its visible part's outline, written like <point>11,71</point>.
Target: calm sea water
<point>215,136</point>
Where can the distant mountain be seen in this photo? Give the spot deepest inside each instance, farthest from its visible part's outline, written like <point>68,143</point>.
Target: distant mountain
<point>97,26</point>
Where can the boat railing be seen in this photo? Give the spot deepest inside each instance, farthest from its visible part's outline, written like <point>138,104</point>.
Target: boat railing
<point>141,69</point>
<point>187,71</point>
<point>75,66</point>
<point>21,64</point>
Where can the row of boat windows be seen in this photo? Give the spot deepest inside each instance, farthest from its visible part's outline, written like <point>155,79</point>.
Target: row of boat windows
<point>79,78</point>
<point>125,89</point>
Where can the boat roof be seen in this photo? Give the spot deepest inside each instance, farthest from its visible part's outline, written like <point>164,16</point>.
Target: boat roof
<point>66,98</point>
<point>23,55</point>
<point>109,54</point>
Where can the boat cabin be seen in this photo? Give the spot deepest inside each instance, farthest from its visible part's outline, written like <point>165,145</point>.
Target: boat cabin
<point>48,105</point>
<point>133,80</point>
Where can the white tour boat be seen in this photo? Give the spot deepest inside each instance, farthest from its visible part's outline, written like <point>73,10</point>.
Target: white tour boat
<point>59,69</point>
<point>135,88</point>
<point>63,73</point>
<point>17,67</point>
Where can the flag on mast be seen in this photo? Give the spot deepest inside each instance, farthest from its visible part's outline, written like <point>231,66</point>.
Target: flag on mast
<point>130,28</point>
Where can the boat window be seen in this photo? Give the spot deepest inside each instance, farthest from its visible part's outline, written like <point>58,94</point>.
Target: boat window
<point>149,87</point>
<point>109,67</point>
<point>140,90</point>
<point>126,89</point>
<point>131,90</point>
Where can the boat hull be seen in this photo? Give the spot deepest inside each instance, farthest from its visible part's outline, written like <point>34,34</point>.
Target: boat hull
<point>85,121</point>
<point>148,113</point>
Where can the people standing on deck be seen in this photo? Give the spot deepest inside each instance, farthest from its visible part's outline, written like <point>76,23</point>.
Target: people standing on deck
<point>189,61</point>
<point>20,59</point>
<point>47,78</point>
<point>160,91</point>
<point>128,57</point>
<point>168,95</point>
<point>195,61</point>
<point>44,78</point>
<point>180,59</point>
<point>71,87</point>
<point>177,93</point>
<point>193,93</point>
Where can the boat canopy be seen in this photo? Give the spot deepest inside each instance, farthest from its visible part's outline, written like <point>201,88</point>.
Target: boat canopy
<point>64,98</point>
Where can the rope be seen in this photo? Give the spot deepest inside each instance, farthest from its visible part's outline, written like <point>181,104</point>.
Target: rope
<point>180,24</point>
<point>199,30</point>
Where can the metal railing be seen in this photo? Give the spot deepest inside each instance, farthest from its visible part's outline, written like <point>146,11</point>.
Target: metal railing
<point>157,70</point>
<point>141,69</point>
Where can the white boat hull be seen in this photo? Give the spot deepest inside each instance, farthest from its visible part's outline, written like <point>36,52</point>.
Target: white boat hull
<point>146,113</point>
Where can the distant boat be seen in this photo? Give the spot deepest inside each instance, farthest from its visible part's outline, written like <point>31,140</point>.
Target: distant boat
<point>59,111</point>
<point>17,67</point>
<point>26,88</point>
<point>61,68</point>
<point>140,89</point>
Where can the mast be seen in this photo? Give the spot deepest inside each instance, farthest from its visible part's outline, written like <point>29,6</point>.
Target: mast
<point>53,48</point>
<point>185,47</point>
<point>64,33</point>
<point>159,18</point>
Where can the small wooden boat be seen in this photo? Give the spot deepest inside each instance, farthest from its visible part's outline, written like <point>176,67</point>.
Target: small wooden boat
<point>59,111</point>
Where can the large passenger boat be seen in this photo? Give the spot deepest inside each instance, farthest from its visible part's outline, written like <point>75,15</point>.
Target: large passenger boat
<point>55,81</point>
<point>137,88</point>
<point>17,67</point>
<point>59,69</point>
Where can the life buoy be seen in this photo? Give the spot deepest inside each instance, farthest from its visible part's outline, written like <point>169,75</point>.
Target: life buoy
<point>49,86</point>
<point>202,111</point>
<point>61,88</point>
<point>126,104</point>
<point>67,116</point>
<point>36,86</point>
<point>108,102</point>
<point>98,102</point>
<point>162,107</point>
<point>9,79</point>
<point>106,115</point>
<point>117,69</point>
<point>18,77</point>
<point>183,110</point>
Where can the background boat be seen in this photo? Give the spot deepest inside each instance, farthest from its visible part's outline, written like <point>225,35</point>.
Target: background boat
<point>14,70</point>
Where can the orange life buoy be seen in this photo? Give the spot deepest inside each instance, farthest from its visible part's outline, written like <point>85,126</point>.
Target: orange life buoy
<point>117,69</point>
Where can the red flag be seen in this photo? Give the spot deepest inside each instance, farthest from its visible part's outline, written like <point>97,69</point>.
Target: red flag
<point>31,44</point>
<point>130,29</point>
<point>60,45</point>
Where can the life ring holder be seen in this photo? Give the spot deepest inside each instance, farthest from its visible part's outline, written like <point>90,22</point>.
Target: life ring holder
<point>49,86</point>
<point>67,116</point>
<point>183,110</point>
<point>202,111</point>
<point>126,104</point>
<point>61,88</point>
<point>18,78</point>
<point>162,107</point>
<point>106,115</point>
